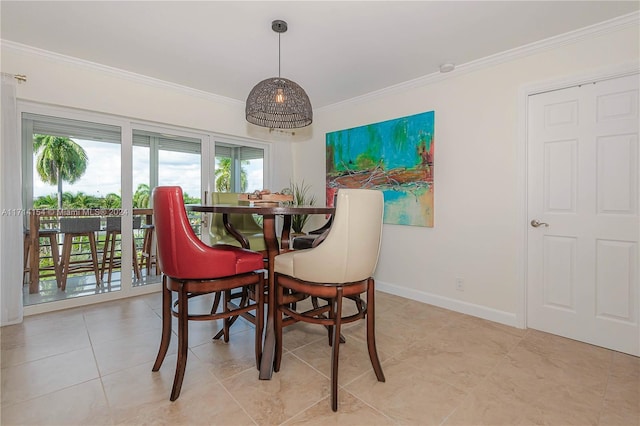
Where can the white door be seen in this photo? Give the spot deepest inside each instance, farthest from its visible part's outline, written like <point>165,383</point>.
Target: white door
<point>583,259</point>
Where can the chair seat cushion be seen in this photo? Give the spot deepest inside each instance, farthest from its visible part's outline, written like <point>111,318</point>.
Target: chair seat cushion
<point>245,260</point>
<point>215,262</point>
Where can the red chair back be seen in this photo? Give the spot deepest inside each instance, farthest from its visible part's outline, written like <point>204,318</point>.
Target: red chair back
<point>182,255</point>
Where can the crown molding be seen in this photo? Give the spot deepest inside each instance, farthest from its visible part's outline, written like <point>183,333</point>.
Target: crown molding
<point>118,73</point>
<point>615,24</point>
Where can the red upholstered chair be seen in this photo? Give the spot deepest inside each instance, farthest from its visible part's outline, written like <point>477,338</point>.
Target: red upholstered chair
<point>338,270</point>
<point>191,268</point>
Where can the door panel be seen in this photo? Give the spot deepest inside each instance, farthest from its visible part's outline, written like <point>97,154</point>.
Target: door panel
<point>582,269</point>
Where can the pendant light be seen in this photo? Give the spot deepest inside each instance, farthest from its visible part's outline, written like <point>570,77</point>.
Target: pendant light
<point>277,102</point>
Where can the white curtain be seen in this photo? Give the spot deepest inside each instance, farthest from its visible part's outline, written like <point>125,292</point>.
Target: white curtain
<point>11,219</point>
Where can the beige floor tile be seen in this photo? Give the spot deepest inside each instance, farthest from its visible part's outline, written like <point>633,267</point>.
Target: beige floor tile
<point>409,396</point>
<point>300,334</point>
<point>201,332</point>
<point>461,353</point>
<point>38,325</point>
<point>134,307</point>
<point>351,411</point>
<point>388,301</point>
<point>92,366</point>
<point>138,391</point>
<point>202,403</point>
<point>296,387</point>
<point>82,404</point>
<point>550,361</point>
<point>397,330</point>
<point>228,359</point>
<point>43,342</point>
<point>353,358</point>
<point>623,365</point>
<point>622,398</point>
<point>37,378</point>
<point>101,331</point>
<point>153,300</point>
<point>543,392</point>
<point>493,406</point>
<point>130,351</point>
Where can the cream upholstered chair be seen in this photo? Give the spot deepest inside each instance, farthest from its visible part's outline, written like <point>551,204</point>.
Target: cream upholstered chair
<point>340,269</point>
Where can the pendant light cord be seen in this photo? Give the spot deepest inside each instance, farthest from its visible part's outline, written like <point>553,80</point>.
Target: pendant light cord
<point>278,55</point>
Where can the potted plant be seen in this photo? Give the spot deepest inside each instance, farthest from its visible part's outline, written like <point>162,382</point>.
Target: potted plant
<point>301,197</point>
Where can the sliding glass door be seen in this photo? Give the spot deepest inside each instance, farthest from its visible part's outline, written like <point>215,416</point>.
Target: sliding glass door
<point>160,159</point>
<point>72,176</point>
<point>82,165</point>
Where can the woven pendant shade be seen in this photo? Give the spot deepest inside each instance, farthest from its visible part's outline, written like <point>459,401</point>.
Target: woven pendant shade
<point>278,103</point>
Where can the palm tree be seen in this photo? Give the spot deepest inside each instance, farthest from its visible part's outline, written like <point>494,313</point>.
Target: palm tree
<point>141,196</point>
<point>110,201</point>
<point>46,202</point>
<point>59,159</point>
<point>223,175</point>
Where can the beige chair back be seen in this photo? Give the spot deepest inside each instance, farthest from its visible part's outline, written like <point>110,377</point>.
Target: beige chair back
<point>350,251</point>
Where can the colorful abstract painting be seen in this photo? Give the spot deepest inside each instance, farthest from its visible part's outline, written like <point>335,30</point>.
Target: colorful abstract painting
<point>395,157</point>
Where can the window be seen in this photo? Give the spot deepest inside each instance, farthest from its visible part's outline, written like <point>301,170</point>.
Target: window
<point>238,168</point>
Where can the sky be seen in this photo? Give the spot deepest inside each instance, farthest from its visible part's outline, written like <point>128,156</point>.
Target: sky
<point>103,171</point>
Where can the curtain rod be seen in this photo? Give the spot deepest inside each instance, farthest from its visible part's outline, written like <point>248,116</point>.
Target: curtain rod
<point>20,77</point>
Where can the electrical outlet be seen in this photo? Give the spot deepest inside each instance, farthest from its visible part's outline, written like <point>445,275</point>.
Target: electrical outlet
<point>459,284</point>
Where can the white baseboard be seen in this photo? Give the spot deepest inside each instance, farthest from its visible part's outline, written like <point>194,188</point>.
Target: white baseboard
<point>502,317</point>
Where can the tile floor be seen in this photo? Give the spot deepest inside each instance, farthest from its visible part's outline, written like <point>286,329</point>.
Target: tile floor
<point>92,366</point>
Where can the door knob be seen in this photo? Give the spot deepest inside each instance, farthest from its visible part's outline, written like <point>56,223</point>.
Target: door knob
<point>536,224</point>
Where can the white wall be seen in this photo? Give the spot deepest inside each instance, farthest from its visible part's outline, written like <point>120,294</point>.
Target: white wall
<point>478,194</point>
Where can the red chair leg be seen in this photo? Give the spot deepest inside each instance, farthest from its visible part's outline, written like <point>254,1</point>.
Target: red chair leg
<point>335,349</point>
<point>166,325</point>
<point>371,332</point>
<point>183,341</point>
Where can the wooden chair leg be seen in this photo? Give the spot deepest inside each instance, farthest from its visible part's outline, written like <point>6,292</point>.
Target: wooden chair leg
<point>216,302</point>
<point>183,341</point>
<point>166,325</point>
<point>277,357</point>
<point>145,258</point>
<point>55,257</point>
<point>26,245</point>
<point>94,257</point>
<point>105,249</point>
<point>335,349</point>
<point>259,299</point>
<point>227,321</point>
<point>113,238</point>
<point>371,332</point>
<point>66,255</point>
<point>134,254</point>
